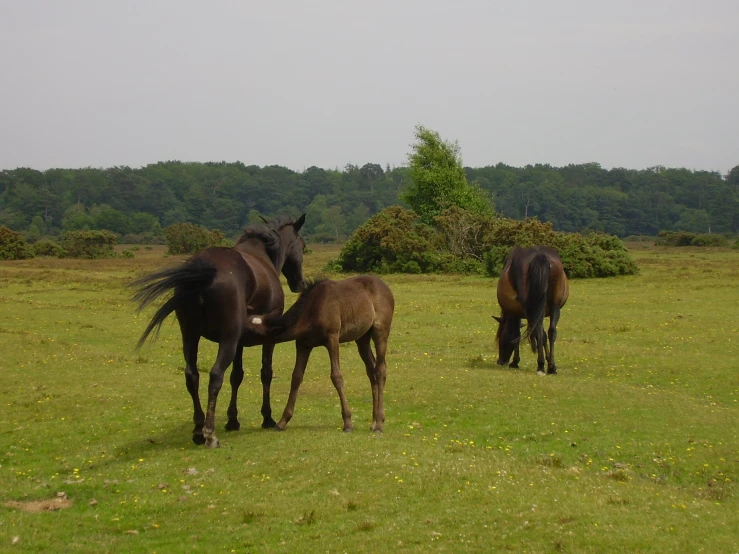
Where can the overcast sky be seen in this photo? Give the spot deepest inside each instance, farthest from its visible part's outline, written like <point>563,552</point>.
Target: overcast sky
<point>632,83</point>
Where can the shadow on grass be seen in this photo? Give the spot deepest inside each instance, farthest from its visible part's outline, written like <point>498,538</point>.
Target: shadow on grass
<point>179,437</point>
<point>480,362</point>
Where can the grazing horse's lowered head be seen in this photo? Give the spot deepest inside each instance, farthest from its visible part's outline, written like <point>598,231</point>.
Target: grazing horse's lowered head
<point>508,337</point>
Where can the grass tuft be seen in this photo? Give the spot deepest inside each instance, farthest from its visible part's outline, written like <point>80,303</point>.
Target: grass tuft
<point>366,525</point>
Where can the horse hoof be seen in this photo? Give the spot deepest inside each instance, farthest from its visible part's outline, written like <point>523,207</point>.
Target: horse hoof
<point>233,425</point>
<point>270,424</point>
<point>277,429</point>
<point>552,372</point>
<point>540,372</point>
<point>348,429</point>
<point>212,443</point>
<point>198,439</point>
<point>513,365</point>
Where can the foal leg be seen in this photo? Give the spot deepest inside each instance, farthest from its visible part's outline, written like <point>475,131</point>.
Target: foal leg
<point>266,376</point>
<point>192,382</point>
<point>365,352</point>
<point>336,378</point>
<point>553,320</point>
<point>302,353</point>
<point>226,354</point>
<point>237,376</point>
<point>380,340</point>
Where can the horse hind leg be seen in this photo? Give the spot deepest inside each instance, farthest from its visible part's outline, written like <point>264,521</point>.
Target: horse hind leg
<point>237,376</point>
<point>553,320</point>
<point>379,337</point>
<point>226,354</point>
<point>365,352</point>
<point>541,347</point>
<point>192,382</point>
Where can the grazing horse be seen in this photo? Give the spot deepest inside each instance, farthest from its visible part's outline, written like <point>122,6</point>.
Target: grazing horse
<point>213,291</point>
<point>532,286</point>
<point>325,314</point>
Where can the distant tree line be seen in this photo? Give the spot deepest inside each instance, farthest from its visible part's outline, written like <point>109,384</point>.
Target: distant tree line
<point>140,202</point>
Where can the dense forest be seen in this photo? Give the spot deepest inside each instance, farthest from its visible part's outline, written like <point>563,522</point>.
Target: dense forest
<point>141,201</point>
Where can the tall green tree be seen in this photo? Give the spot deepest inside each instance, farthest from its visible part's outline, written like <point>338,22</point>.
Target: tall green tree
<point>438,178</point>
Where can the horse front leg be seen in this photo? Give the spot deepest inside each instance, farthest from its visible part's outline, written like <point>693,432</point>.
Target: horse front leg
<point>516,357</point>
<point>266,376</point>
<point>192,382</point>
<point>226,353</point>
<point>302,353</point>
<point>237,376</point>
<point>338,380</point>
<point>553,320</point>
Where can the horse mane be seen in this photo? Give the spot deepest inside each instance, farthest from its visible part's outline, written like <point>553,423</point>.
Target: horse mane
<point>268,235</point>
<point>516,272</point>
<point>281,221</point>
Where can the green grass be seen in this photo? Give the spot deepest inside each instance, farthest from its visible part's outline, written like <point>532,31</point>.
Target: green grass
<point>631,448</point>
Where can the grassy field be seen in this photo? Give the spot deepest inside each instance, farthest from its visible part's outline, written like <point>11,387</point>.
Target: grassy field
<point>633,447</point>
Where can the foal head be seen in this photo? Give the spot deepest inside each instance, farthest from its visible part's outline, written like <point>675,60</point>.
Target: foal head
<point>507,337</point>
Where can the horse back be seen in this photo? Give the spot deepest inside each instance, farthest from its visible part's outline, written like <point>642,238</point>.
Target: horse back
<point>512,284</point>
<point>349,307</point>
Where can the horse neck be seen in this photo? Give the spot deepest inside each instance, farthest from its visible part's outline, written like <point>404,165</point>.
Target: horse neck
<point>256,247</point>
<point>290,321</point>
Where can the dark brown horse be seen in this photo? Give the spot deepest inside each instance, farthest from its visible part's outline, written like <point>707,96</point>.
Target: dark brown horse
<point>213,292</point>
<point>532,286</point>
<point>326,314</point>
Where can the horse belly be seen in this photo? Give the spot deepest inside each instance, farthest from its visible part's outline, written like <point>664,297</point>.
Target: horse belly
<point>356,327</point>
<point>353,333</point>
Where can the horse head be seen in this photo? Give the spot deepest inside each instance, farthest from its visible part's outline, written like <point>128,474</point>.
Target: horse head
<point>507,337</point>
<point>293,246</point>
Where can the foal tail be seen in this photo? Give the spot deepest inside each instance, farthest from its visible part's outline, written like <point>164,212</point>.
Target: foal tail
<point>535,303</point>
<point>187,281</point>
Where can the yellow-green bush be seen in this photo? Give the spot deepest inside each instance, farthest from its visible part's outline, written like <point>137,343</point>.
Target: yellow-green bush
<point>13,246</point>
<point>395,241</point>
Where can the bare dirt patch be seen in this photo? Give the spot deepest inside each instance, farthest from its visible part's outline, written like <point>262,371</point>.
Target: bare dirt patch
<point>59,502</point>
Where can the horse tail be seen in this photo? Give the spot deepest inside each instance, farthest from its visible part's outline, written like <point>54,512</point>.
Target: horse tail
<point>535,303</point>
<point>188,281</point>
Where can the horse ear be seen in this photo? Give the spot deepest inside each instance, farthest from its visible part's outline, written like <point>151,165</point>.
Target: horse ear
<point>496,318</point>
<point>299,223</point>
